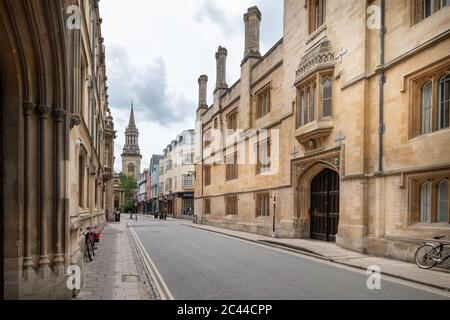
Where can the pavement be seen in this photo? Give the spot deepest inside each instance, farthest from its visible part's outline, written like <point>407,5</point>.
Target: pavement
<point>215,264</point>
<point>117,272</point>
<point>439,279</point>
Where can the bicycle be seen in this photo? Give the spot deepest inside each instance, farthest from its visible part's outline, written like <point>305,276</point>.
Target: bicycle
<point>428,255</point>
<point>90,242</point>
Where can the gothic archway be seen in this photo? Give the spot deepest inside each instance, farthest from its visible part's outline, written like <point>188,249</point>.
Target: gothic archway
<point>10,148</point>
<point>303,195</point>
<point>2,239</point>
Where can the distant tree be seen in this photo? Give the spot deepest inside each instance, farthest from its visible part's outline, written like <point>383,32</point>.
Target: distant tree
<point>129,186</point>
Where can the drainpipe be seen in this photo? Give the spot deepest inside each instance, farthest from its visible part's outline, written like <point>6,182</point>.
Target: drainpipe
<point>382,82</point>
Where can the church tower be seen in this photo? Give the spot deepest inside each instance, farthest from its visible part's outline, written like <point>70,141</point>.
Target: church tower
<point>131,155</point>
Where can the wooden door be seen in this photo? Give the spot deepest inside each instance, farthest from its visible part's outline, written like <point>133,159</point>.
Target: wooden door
<point>325,206</point>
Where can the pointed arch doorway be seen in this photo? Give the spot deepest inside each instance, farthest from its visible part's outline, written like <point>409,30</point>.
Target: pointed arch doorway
<point>324,205</point>
<point>2,242</point>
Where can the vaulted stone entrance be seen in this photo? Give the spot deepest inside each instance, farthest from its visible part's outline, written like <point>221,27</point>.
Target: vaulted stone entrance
<point>324,206</point>
<point>2,241</point>
<point>317,192</point>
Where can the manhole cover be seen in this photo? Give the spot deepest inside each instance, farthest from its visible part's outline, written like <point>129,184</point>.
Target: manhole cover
<point>130,278</point>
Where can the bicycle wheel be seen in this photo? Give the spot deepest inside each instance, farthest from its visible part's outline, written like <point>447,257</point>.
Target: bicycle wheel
<point>89,249</point>
<point>425,256</point>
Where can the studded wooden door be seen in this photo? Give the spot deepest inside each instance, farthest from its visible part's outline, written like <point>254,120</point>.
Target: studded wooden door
<point>324,210</point>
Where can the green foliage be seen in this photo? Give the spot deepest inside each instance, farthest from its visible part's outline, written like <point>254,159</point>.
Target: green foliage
<point>129,207</point>
<point>129,186</point>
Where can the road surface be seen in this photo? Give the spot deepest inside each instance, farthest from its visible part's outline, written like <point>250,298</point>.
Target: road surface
<point>201,265</point>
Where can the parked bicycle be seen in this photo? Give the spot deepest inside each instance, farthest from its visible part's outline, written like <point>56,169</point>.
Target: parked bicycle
<point>91,239</point>
<point>429,254</point>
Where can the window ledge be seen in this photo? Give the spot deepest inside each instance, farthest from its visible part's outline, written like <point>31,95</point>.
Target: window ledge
<point>312,135</point>
<point>315,34</point>
<point>430,134</point>
<point>430,226</point>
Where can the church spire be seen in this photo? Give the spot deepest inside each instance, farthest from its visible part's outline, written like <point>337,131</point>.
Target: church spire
<point>132,122</point>
<point>131,135</point>
<point>131,155</point>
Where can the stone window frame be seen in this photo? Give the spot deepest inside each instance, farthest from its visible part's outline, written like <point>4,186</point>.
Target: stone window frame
<point>207,138</point>
<point>207,175</point>
<point>231,169</point>
<point>417,9</point>
<point>316,81</point>
<point>207,204</point>
<point>264,92</point>
<point>96,197</point>
<point>262,204</point>
<point>131,168</point>
<point>81,179</point>
<point>168,186</point>
<point>232,120</point>
<point>169,165</point>
<point>231,205</point>
<point>445,79</point>
<point>416,82</point>
<point>441,201</point>
<point>188,158</point>
<point>317,14</point>
<point>267,167</point>
<point>415,184</point>
<point>188,181</point>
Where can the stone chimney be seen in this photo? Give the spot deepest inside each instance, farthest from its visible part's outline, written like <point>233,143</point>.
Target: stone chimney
<point>202,83</point>
<point>252,21</point>
<point>221,57</point>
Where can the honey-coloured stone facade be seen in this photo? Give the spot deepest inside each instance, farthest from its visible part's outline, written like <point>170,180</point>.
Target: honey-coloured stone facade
<point>368,138</point>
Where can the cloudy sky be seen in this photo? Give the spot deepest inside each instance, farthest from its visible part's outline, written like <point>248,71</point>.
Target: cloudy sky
<point>156,51</point>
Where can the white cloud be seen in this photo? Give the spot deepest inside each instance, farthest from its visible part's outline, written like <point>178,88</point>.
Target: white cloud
<point>157,49</point>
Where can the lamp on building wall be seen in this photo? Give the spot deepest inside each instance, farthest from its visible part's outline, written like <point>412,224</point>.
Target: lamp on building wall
<point>192,174</point>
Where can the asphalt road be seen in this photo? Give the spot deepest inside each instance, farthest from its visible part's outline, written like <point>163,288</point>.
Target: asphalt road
<point>197,264</point>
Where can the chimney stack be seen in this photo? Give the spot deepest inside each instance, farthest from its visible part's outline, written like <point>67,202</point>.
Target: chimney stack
<point>202,83</point>
<point>221,57</point>
<point>252,21</point>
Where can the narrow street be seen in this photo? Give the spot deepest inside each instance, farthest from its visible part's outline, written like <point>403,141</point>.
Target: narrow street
<point>196,264</point>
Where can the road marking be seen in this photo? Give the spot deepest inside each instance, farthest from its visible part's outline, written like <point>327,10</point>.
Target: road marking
<point>333,264</point>
<point>161,285</point>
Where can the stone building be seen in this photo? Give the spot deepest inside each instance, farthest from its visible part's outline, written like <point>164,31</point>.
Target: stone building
<point>57,142</point>
<point>118,193</point>
<point>345,124</point>
<point>177,177</point>
<point>131,154</point>
<point>153,191</point>
<point>142,192</point>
